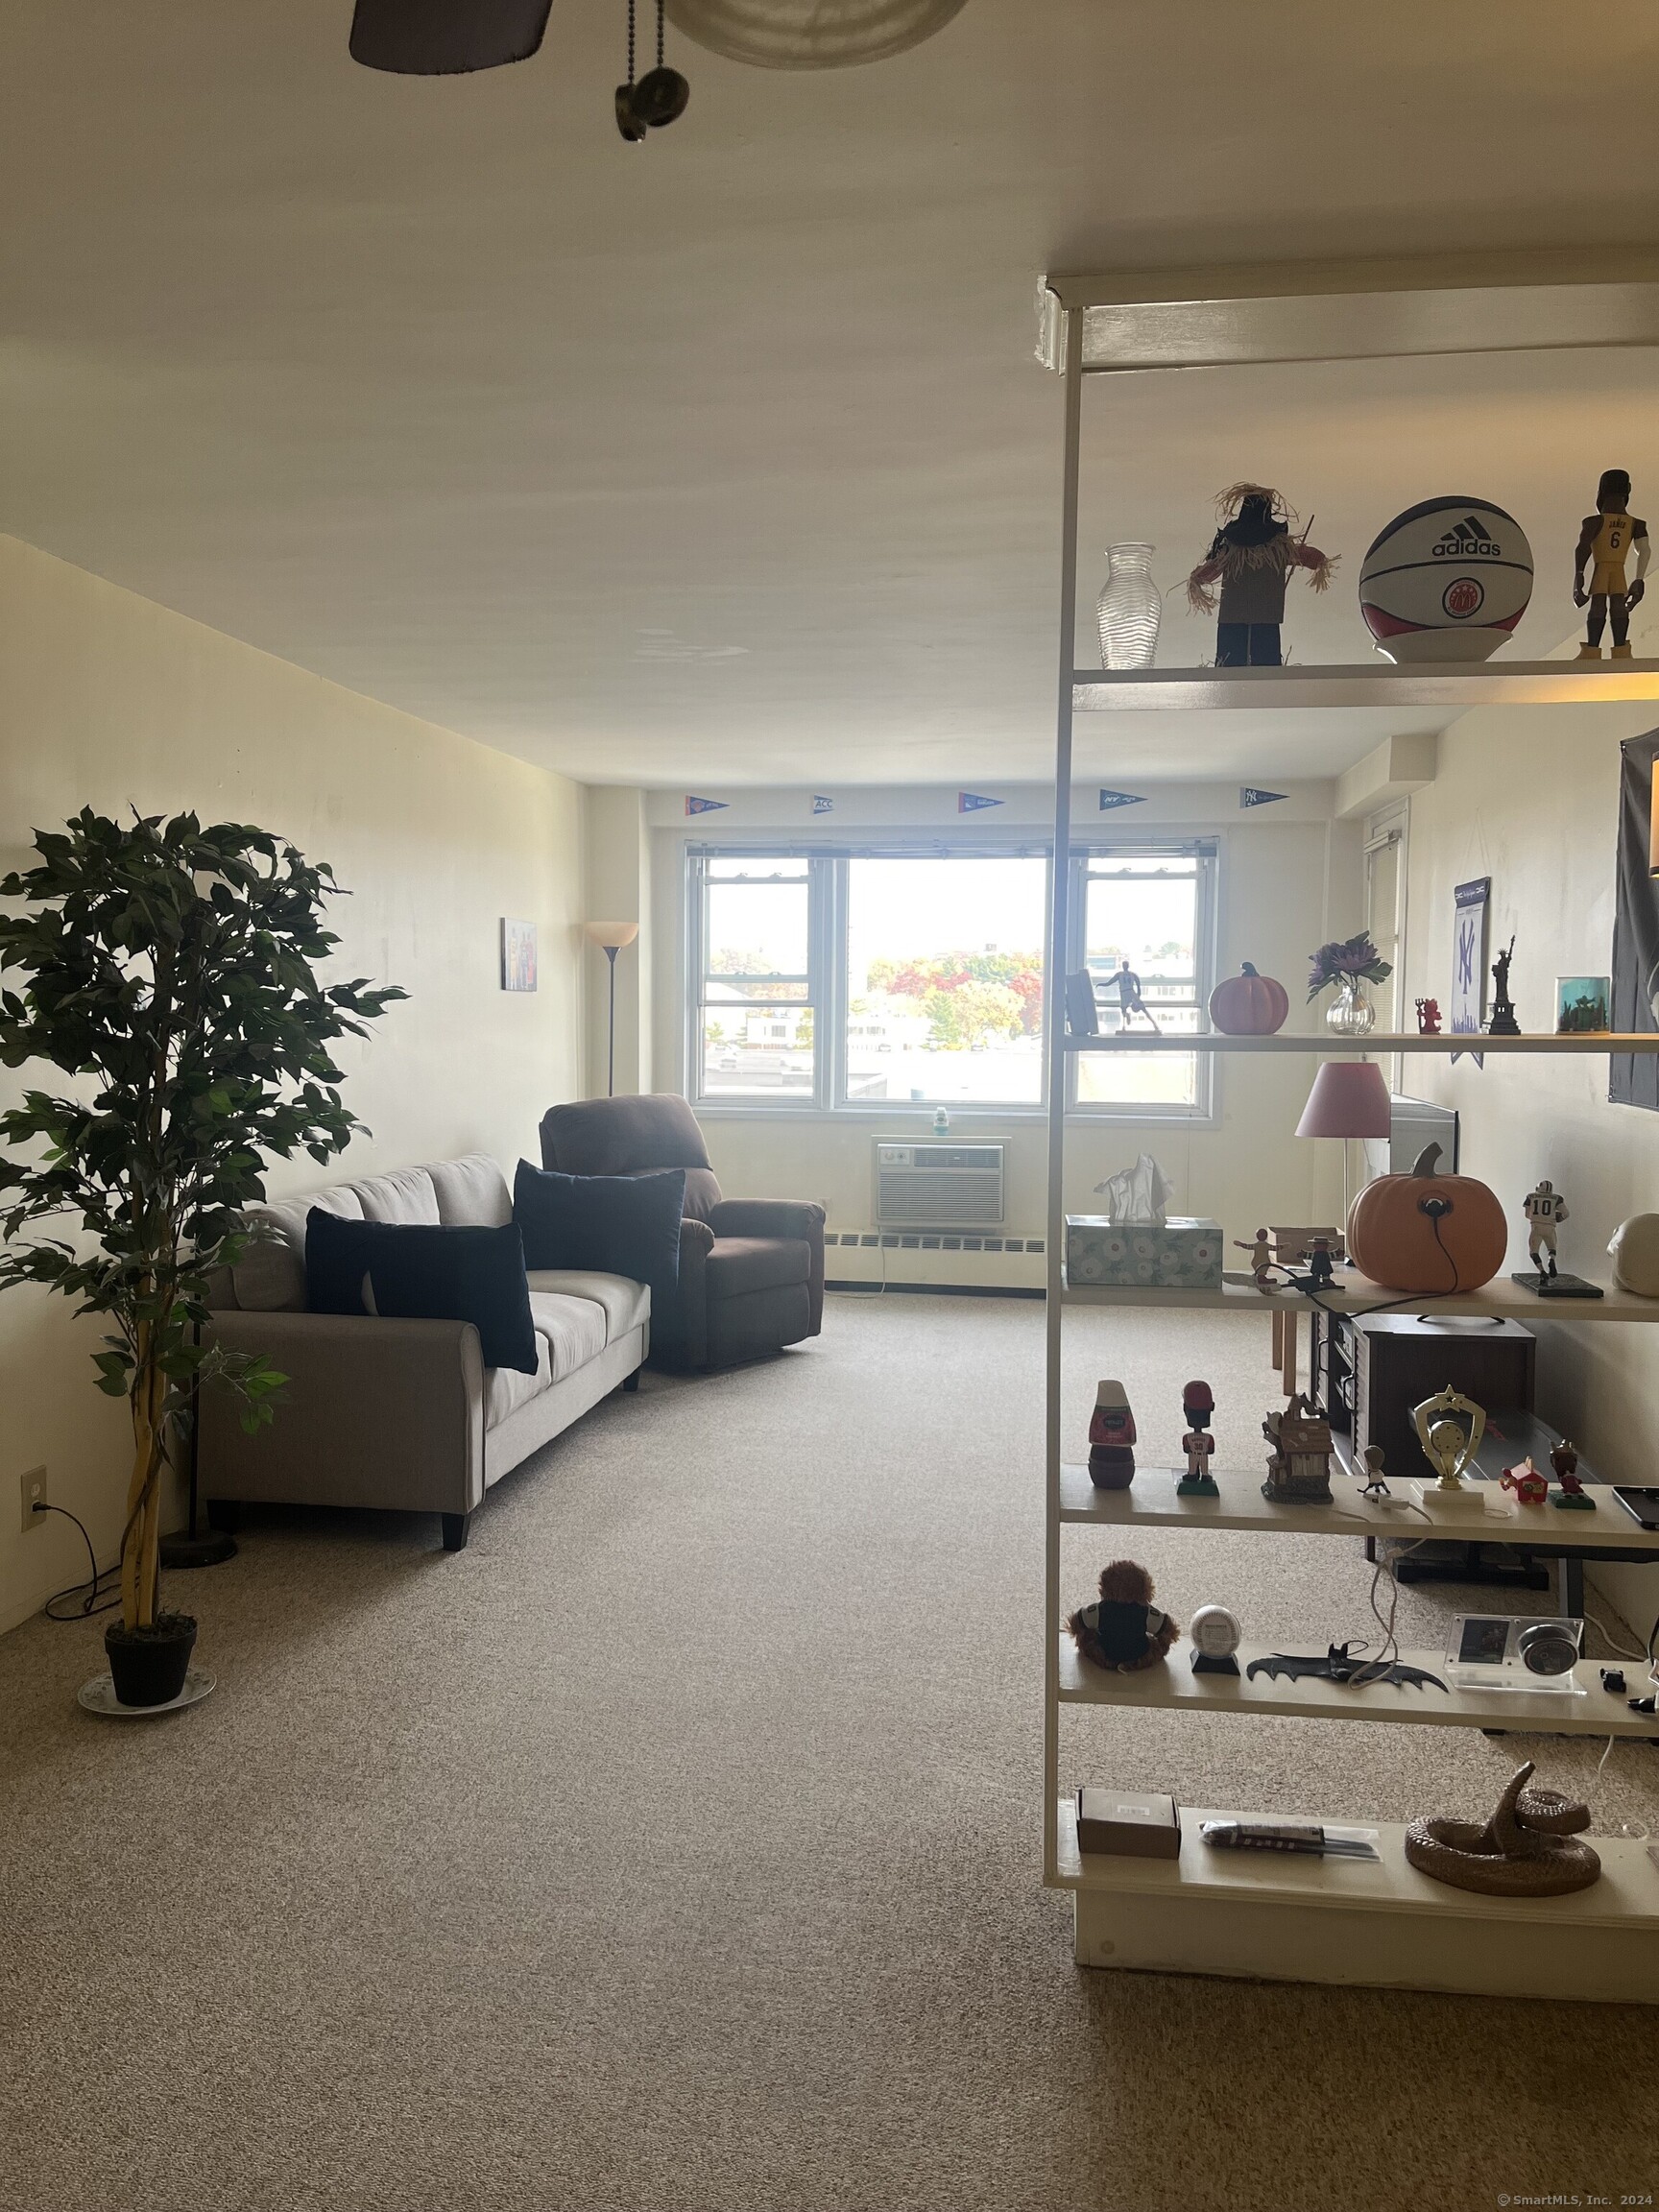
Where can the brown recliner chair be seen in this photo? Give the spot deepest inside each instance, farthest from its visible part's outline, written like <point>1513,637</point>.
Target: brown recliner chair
<point>751,1269</point>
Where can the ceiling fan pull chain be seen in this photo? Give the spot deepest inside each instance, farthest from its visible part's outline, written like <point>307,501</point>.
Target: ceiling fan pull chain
<point>630,41</point>
<point>659,34</point>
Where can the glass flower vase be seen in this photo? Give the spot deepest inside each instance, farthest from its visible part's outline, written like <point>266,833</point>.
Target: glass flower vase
<point>1129,607</point>
<point>1351,1013</point>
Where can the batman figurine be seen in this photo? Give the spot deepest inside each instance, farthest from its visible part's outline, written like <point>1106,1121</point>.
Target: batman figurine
<point>1341,1664</point>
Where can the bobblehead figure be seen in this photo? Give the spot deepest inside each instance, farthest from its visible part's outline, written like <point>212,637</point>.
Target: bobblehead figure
<point>1605,544</point>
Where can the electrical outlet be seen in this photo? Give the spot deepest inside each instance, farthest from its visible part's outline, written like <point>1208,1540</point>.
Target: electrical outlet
<point>34,1483</point>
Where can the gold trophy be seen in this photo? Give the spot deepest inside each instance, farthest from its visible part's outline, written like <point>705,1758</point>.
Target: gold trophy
<point>1450,1448</point>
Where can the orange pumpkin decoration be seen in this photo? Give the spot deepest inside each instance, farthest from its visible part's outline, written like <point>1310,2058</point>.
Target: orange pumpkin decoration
<point>1427,1232</point>
<point>1249,1006</point>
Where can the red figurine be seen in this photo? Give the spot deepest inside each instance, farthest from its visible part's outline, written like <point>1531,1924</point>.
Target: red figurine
<point>1111,1439</point>
<point>1198,1404</point>
<point>1571,1494</point>
<point>1530,1488</point>
<point>1428,1016</point>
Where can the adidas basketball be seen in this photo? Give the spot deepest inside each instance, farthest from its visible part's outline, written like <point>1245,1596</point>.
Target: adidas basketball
<point>1446,581</point>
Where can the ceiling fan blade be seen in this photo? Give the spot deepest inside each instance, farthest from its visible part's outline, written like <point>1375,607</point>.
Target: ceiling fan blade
<point>446,37</point>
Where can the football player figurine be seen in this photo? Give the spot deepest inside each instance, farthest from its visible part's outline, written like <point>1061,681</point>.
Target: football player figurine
<point>1198,1404</point>
<point>1251,556</point>
<point>1544,1209</point>
<point>1605,544</point>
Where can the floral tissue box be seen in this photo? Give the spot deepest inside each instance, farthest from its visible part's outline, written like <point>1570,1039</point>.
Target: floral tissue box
<point>1180,1254</point>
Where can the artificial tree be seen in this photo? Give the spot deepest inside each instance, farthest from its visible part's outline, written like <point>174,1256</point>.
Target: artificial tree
<point>173,970</point>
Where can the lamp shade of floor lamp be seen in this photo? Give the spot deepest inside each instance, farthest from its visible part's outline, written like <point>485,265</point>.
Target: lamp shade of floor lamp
<point>611,937</point>
<point>1349,1098</point>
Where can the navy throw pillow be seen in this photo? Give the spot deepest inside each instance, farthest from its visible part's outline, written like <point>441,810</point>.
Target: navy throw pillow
<point>419,1272</point>
<point>608,1224</point>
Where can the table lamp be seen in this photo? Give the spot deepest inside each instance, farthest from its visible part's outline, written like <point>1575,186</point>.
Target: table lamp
<point>611,937</point>
<point>1349,1098</point>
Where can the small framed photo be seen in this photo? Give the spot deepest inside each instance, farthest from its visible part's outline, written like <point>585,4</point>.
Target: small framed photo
<point>1581,1003</point>
<point>517,955</point>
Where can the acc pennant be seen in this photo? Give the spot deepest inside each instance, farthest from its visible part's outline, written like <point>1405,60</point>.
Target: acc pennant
<point>971,802</point>
<point>821,804</point>
<point>1249,796</point>
<point>1111,799</point>
<point>704,806</point>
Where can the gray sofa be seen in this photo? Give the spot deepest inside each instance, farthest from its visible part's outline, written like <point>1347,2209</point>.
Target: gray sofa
<point>403,1414</point>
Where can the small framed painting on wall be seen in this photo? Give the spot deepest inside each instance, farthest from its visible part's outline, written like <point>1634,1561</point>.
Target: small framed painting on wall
<point>517,955</point>
<point>1581,1003</point>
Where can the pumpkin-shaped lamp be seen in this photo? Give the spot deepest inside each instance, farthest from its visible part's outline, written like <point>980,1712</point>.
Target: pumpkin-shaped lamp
<point>1249,1004</point>
<point>1427,1232</point>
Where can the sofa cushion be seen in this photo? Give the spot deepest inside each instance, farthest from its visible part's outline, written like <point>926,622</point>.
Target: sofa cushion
<point>270,1277</point>
<point>574,1329</point>
<point>738,1264</point>
<point>422,1271</point>
<point>507,1388</point>
<point>625,1303</point>
<point>471,1193</point>
<point>406,1198</point>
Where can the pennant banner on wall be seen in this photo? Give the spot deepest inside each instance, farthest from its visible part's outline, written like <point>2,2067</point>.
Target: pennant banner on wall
<point>704,806</point>
<point>1249,796</point>
<point>971,802</point>
<point>821,804</point>
<point>1111,799</point>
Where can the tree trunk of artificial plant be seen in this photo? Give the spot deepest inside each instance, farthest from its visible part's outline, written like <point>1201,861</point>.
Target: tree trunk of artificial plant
<point>141,1563</point>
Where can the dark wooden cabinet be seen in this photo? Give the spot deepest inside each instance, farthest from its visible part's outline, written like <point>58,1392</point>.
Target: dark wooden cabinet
<point>1369,1370</point>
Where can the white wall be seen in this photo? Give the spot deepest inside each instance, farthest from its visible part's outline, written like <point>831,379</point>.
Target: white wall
<point>1289,877</point>
<point>109,701</point>
<point>1529,796</point>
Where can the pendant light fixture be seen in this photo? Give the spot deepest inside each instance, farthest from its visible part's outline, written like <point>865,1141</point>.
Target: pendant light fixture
<point>444,38</point>
<point>810,34</point>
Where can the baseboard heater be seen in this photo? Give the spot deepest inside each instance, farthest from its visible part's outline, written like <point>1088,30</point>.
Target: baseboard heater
<point>948,1259</point>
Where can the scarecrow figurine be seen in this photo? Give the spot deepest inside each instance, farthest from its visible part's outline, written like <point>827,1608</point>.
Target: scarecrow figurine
<point>1251,556</point>
<point>1604,544</point>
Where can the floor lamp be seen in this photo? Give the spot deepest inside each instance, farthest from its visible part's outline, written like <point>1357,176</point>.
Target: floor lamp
<point>611,937</point>
<point>1349,1098</point>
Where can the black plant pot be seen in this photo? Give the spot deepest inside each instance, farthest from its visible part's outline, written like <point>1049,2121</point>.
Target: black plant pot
<point>149,1665</point>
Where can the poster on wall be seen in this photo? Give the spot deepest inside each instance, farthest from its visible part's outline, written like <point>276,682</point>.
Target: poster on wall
<point>1470,902</point>
<point>517,955</point>
<point>1633,1079</point>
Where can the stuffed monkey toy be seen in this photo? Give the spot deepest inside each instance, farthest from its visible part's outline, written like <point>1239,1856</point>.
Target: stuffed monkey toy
<point>1124,1630</point>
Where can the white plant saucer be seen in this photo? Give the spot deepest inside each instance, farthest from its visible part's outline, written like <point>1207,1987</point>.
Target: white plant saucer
<point>99,1696</point>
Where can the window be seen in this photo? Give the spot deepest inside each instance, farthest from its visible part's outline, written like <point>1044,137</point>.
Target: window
<point>756,1006</point>
<point>1147,916</point>
<point>945,980</point>
<point>829,981</point>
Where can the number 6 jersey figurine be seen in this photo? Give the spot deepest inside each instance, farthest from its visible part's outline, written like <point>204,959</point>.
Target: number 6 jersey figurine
<point>1605,544</point>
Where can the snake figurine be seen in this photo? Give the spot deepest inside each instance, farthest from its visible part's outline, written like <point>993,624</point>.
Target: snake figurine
<point>1528,1848</point>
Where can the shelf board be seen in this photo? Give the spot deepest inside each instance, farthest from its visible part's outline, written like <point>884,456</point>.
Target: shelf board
<point>1174,1687</point>
<point>1627,1897</point>
<point>1150,1503</point>
<point>1381,1042</point>
<point>1459,685</point>
<point>1353,1293</point>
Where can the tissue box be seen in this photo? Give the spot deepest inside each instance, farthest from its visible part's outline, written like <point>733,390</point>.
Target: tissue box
<point>1182,1254</point>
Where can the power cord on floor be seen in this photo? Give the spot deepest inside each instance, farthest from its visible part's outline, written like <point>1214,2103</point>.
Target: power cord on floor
<point>94,1588</point>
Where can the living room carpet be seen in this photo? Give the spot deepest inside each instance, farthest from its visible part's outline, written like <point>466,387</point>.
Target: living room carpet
<point>676,1845</point>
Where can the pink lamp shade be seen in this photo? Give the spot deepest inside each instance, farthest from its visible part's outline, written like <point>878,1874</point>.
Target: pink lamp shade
<point>1349,1098</point>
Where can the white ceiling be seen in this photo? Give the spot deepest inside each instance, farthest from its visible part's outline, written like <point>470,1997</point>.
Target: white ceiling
<point>725,459</point>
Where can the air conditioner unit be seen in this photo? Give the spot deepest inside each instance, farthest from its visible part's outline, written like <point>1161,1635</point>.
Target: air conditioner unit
<point>938,1186</point>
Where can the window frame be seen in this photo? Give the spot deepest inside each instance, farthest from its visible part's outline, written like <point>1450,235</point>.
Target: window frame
<point>828,982</point>
<point>1205,1109</point>
<point>695,977</point>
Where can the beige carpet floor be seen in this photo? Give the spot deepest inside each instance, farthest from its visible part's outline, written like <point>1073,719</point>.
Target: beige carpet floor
<point>675,1848</point>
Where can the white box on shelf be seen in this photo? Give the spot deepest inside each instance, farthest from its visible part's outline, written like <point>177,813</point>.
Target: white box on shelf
<point>1181,1254</point>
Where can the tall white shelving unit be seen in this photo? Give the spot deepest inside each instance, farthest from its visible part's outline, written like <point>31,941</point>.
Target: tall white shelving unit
<point>1294,1919</point>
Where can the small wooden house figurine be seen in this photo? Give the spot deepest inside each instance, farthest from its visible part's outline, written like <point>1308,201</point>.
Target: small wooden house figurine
<point>1299,1463</point>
